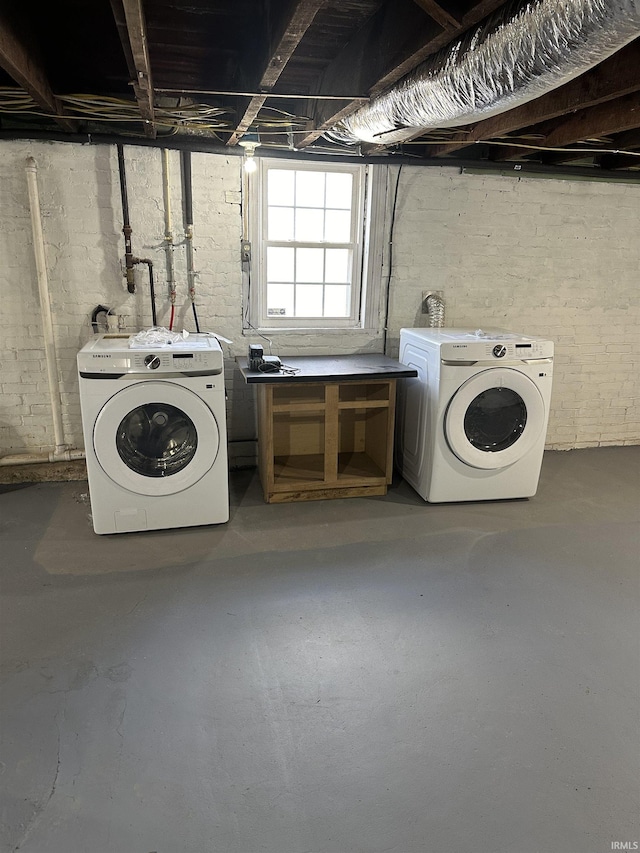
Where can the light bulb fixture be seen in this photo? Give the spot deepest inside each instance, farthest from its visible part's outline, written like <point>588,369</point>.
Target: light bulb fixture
<point>250,141</point>
<point>250,165</point>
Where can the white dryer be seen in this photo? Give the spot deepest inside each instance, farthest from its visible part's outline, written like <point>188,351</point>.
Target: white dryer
<point>472,425</point>
<point>154,426</point>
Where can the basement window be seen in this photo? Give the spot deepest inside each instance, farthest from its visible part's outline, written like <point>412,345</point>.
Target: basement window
<point>311,246</point>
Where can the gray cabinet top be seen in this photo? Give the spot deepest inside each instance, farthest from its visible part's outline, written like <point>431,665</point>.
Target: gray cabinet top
<point>329,368</point>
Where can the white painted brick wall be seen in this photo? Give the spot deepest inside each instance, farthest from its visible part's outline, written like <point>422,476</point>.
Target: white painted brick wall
<point>546,257</point>
<point>556,258</point>
<point>82,224</point>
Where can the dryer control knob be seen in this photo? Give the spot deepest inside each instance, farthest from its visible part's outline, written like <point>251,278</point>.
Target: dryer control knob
<point>499,350</point>
<point>152,362</point>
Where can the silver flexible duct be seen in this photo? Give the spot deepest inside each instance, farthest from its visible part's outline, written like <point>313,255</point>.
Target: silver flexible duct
<point>435,309</point>
<point>526,49</point>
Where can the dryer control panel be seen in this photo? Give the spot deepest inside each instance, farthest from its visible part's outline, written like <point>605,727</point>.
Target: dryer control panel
<point>496,349</point>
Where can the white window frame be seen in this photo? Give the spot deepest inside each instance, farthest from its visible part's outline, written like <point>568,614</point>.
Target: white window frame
<point>367,255</point>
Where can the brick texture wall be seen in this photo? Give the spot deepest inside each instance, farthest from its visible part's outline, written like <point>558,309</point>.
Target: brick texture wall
<point>82,223</point>
<point>555,258</point>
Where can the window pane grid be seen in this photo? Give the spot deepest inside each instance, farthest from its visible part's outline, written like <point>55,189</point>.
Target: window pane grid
<point>329,300</point>
<point>317,209</point>
<point>298,278</point>
<point>310,230</point>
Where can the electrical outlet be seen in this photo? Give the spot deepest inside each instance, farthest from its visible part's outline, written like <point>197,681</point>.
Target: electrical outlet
<point>245,252</point>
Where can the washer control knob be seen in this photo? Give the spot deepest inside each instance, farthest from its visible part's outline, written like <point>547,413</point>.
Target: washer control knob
<point>499,350</point>
<point>152,362</point>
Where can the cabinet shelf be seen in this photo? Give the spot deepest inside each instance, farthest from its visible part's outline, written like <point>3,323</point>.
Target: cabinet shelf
<point>363,391</point>
<point>298,470</point>
<point>298,407</point>
<point>291,394</point>
<point>356,466</point>
<point>363,404</point>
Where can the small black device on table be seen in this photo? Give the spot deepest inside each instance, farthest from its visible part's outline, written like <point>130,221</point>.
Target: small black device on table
<point>257,360</point>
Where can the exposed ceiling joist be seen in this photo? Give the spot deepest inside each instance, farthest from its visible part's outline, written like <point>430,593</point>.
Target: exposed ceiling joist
<point>627,140</point>
<point>132,28</point>
<point>255,105</point>
<point>438,12</point>
<point>603,120</point>
<point>19,62</point>
<point>615,77</point>
<point>473,16</point>
<point>297,22</point>
<point>319,58</point>
<point>371,64</point>
<point>610,162</point>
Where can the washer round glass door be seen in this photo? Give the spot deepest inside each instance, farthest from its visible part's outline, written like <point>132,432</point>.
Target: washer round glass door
<point>156,438</point>
<point>494,418</point>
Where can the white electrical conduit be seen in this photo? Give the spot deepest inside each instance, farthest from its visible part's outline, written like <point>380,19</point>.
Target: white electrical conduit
<point>61,453</point>
<point>168,231</point>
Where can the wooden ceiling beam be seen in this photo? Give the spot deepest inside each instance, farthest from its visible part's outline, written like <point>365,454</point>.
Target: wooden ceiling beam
<point>615,77</point>
<point>608,119</point>
<point>603,120</point>
<point>297,21</point>
<point>629,139</point>
<point>19,62</point>
<point>439,14</point>
<point>610,161</point>
<point>390,45</point>
<point>132,28</point>
<point>123,34</point>
<point>514,152</point>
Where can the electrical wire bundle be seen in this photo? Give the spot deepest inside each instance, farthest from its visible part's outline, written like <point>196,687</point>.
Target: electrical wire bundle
<point>186,116</point>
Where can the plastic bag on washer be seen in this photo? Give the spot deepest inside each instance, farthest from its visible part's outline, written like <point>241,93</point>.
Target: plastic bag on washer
<point>156,336</point>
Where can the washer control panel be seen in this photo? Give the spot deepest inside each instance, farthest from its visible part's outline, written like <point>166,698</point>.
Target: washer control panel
<point>171,362</point>
<point>198,354</point>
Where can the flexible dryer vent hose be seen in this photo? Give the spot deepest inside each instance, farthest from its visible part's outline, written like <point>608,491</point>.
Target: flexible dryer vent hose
<point>435,307</point>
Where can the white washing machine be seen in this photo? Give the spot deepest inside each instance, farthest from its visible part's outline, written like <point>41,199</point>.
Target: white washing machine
<point>472,425</point>
<point>155,434</point>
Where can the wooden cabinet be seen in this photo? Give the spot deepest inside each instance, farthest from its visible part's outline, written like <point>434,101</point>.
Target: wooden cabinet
<point>325,425</point>
<point>323,440</point>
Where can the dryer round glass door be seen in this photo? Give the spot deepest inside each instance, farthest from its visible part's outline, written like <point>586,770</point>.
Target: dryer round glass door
<point>495,418</point>
<point>156,438</point>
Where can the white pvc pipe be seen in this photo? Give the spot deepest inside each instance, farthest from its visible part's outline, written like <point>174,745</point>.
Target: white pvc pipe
<point>45,306</point>
<point>191,273</point>
<point>168,230</point>
<point>166,194</point>
<point>35,458</point>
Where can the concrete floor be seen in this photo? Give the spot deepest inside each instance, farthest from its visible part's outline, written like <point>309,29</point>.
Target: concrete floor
<point>352,676</point>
